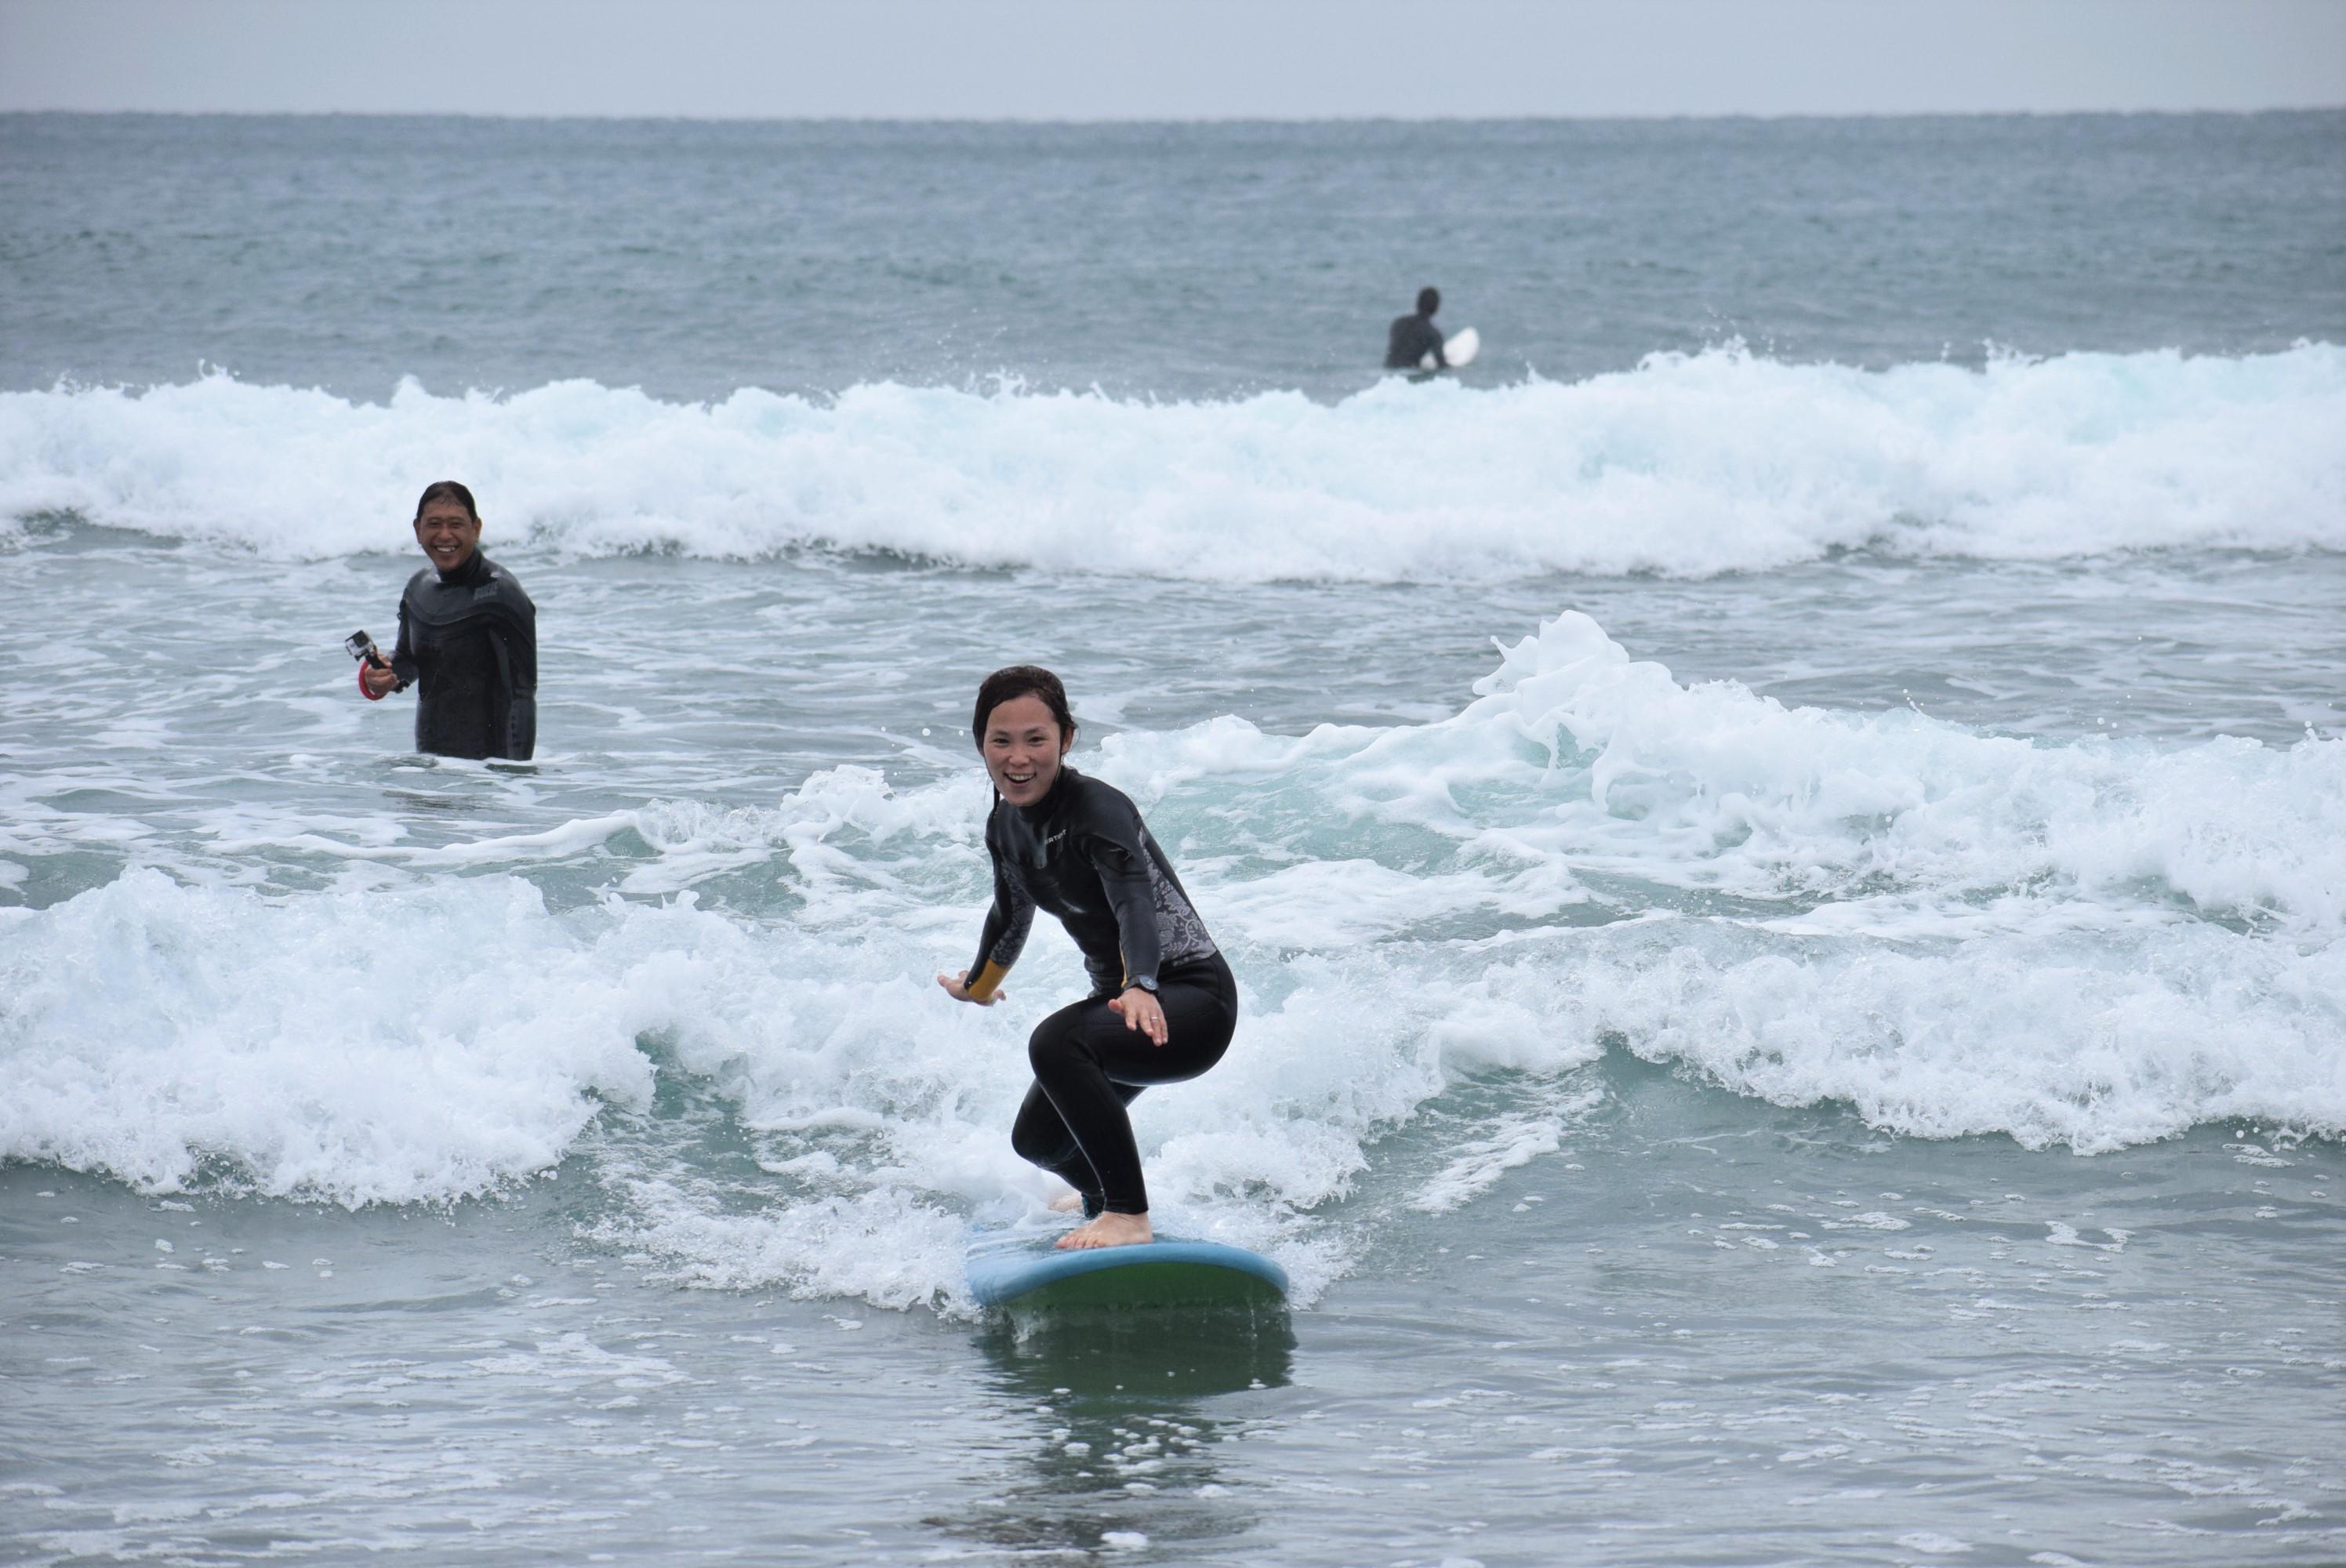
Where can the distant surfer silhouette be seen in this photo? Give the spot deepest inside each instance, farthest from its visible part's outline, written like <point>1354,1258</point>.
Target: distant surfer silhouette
<point>1414,337</point>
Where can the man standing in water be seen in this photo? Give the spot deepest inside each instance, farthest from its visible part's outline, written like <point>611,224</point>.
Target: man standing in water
<point>469,634</point>
<point>1414,337</point>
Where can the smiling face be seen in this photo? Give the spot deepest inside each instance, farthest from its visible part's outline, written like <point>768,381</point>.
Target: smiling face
<point>448,533</point>
<point>1023,747</point>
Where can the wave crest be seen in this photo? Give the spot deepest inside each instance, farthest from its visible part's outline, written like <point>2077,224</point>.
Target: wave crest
<point>1687,466</point>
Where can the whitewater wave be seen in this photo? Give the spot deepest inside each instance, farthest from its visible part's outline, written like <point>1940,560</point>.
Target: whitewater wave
<point>2086,946</point>
<point>1690,466</point>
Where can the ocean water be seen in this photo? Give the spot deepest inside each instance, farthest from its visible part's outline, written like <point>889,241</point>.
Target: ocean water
<point>1782,837</point>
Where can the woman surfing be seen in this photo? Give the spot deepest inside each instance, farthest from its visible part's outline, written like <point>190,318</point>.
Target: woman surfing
<point>1163,1004</point>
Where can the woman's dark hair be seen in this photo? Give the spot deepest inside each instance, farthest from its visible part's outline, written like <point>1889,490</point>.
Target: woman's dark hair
<point>447,490</point>
<point>1016,681</point>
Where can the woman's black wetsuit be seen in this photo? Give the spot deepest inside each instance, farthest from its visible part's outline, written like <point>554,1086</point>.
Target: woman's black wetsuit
<point>1083,853</point>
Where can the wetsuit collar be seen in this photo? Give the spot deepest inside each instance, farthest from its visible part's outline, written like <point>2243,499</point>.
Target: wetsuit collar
<point>470,575</point>
<point>1041,811</point>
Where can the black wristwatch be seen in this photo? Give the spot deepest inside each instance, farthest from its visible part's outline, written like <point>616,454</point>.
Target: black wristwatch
<point>1145,981</point>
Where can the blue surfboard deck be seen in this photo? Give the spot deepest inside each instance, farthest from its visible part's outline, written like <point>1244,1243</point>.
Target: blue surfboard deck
<point>1024,1268</point>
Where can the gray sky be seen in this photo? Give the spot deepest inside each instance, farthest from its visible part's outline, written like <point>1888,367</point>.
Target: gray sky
<point>1171,59</point>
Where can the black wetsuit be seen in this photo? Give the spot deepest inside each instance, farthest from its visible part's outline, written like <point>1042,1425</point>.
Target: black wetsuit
<point>1407,344</point>
<point>1083,853</point>
<point>471,637</point>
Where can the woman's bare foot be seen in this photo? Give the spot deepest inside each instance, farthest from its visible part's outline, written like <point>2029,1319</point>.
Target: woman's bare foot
<point>1068,1202</point>
<point>1110,1229</point>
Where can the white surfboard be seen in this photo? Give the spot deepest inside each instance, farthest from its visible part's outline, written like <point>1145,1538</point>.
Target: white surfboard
<point>1459,351</point>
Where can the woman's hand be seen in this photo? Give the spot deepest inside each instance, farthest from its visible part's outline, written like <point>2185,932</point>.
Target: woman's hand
<point>956,986</point>
<point>1143,1012</point>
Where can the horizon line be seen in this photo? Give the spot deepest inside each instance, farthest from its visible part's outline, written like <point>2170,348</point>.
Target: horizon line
<point>1654,117</point>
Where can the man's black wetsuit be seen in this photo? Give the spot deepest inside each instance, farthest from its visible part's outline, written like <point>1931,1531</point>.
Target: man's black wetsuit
<point>471,637</point>
<point>1083,853</point>
<point>1407,343</point>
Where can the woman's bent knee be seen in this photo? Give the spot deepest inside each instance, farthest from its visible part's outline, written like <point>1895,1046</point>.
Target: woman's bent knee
<point>1040,1145</point>
<point>1051,1048</point>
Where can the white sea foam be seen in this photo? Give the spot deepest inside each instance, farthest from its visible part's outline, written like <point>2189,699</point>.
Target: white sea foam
<point>1689,464</point>
<point>2086,946</point>
<point>1576,762</point>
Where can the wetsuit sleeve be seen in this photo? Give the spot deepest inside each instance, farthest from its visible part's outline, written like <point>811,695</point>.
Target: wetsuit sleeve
<point>1425,338</point>
<point>403,653</point>
<point>1005,936</point>
<point>1397,341</point>
<point>519,632</point>
<point>1116,853</point>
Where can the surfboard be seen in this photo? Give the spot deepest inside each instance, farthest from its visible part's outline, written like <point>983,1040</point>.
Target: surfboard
<point>1459,351</point>
<point>1024,1268</point>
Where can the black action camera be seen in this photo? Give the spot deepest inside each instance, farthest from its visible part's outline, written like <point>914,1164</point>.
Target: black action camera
<point>361,646</point>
